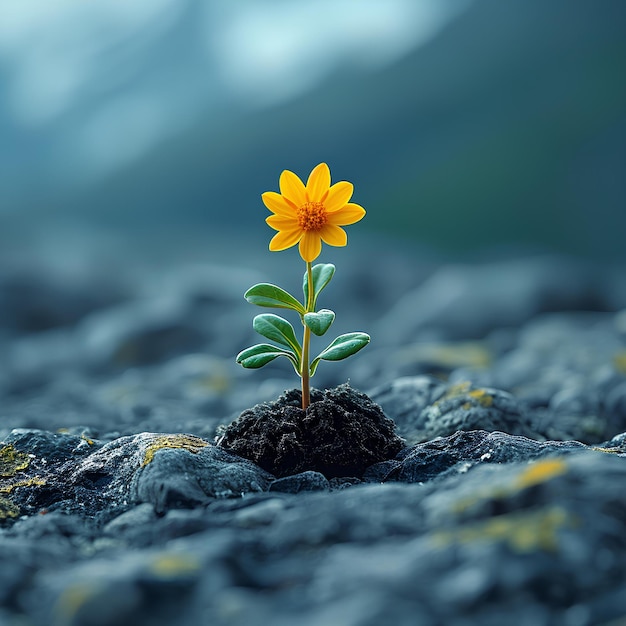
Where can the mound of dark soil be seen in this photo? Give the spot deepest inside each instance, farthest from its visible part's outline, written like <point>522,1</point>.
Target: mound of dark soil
<point>341,433</point>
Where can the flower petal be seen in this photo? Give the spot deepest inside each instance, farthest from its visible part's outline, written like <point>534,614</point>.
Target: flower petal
<point>277,204</point>
<point>310,246</point>
<point>280,222</point>
<point>338,195</point>
<point>318,183</point>
<point>348,214</point>
<point>285,239</point>
<point>292,188</point>
<point>333,235</point>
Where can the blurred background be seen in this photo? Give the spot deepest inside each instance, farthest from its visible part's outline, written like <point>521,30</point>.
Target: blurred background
<point>465,125</point>
<point>485,138</point>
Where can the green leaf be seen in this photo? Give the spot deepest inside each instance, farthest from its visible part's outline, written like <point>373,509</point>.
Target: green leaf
<point>262,353</point>
<point>341,348</point>
<point>319,322</point>
<point>277,329</point>
<point>322,274</point>
<point>265,294</point>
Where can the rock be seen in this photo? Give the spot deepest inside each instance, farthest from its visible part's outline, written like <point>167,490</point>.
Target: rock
<point>305,481</point>
<point>460,452</point>
<point>40,296</point>
<point>176,478</point>
<point>139,333</point>
<point>464,407</point>
<point>152,586</point>
<point>262,513</point>
<point>404,399</point>
<point>116,508</point>
<point>22,557</point>
<point>524,541</point>
<point>424,407</point>
<point>566,368</point>
<point>462,525</point>
<point>46,472</point>
<point>140,515</point>
<point>341,433</point>
<point>467,301</point>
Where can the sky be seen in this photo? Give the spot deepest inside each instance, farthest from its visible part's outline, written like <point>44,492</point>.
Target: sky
<point>464,124</point>
<point>78,74</point>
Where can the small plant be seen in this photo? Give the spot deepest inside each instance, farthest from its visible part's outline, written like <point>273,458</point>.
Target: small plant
<point>305,215</point>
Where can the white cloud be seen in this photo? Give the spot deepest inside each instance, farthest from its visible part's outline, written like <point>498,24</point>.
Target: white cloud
<point>54,47</point>
<point>270,51</point>
<point>84,71</point>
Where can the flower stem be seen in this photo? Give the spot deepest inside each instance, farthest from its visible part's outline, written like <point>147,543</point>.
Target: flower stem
<point>306,340</point>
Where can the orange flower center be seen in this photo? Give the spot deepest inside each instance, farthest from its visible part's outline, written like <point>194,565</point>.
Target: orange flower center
<point>312,216</point>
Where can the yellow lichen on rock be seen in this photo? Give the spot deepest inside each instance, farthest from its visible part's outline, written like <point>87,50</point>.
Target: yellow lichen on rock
<point>9,486</point>
<point>536,473</point>
<point>608,450</point>
<point>8,509</point>
<point>171,565</point>
<point>619,362</point>
<point>483,398</point>
<point>526,531</point>
<point>447,355</point>
<point>458,389</point>
<point>186,442</point>
<point>12,461</point>
<point>540,472</point>
<point>73,599</point>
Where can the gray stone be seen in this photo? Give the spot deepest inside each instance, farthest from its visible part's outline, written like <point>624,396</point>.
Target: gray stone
<point>38,296</point>
<point>498,524</point>
<point>166,470</point>
<point>404,399</point>
<point>566,367</point>
<point>464,407</point>
<point>140,515</point>
<point>304,481</point>
<point>139,333</point>
<point>176,478</point>
<point>119,518</point>
<point>460,452</point>
<point>467,301</point>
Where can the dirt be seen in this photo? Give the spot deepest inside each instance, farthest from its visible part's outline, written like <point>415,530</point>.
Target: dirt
<point>341,433</point>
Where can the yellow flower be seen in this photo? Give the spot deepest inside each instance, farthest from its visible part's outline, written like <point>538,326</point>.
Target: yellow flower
<point>311,214</point>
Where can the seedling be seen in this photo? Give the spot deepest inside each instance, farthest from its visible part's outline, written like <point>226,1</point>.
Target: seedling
<point>305,215</point>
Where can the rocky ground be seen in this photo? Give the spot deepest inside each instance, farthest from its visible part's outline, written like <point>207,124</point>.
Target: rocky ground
<point>472,471</point>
